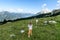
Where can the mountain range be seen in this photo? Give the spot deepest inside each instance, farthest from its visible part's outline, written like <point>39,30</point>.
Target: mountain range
<point>5,15</point>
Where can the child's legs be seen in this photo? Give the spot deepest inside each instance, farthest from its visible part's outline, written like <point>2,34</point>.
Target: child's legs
<point>30,32</point>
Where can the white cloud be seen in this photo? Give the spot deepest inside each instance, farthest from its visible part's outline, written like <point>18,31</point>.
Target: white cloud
<point>0,9</point>
<point>58,1</point>
<point>44,5</point>
<point>18,10</point>
<point>58,4</point>
<point>13,10</point>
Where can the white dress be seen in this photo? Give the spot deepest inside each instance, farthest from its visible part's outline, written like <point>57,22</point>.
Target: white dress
<point>30,26</point>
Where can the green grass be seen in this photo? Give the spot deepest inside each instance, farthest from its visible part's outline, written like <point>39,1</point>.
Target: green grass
<point>40,31</point>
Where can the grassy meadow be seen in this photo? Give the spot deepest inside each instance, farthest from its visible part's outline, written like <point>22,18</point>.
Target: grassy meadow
<point>40,31</point>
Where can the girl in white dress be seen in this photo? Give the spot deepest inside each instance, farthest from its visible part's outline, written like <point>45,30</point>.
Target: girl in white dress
<point>30,29</point>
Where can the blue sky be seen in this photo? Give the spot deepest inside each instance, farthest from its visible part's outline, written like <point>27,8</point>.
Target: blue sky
<point>32,6</point>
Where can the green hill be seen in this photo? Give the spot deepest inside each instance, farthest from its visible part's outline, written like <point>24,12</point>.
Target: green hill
<point>40,31</point>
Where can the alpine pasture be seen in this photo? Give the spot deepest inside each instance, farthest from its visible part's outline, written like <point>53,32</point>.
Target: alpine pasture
<point>50,31</point>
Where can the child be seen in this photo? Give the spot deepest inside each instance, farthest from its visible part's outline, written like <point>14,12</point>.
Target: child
<point>30,29</point>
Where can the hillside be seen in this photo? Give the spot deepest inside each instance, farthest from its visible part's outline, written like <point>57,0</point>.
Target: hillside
<point>40,31</point>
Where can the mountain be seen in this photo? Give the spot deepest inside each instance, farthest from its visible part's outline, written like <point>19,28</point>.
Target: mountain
<point>5,15</point>
<point>45,10</point>
<point>48,14</point>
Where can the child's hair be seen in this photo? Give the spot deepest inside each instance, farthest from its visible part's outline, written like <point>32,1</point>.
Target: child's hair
<point>30,22</point>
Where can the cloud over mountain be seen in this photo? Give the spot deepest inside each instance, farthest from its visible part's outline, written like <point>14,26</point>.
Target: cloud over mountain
<point>45,9</point>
